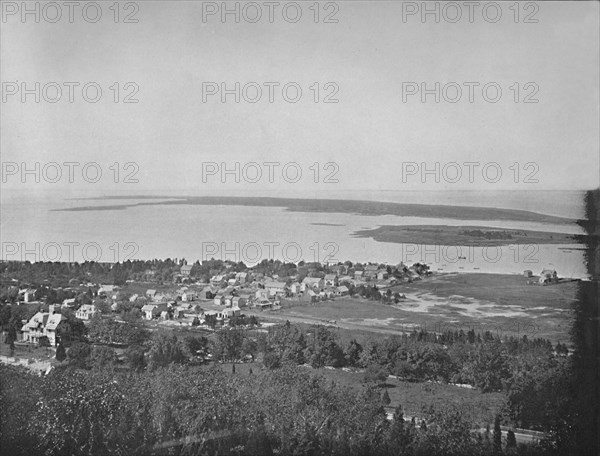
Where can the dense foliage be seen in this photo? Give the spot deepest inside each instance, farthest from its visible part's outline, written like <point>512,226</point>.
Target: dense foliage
<point>205,410</point>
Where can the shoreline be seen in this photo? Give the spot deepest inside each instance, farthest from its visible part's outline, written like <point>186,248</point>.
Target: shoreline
<point>357,207</point>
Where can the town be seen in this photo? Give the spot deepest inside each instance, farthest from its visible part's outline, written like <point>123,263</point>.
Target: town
<point>142,316</point>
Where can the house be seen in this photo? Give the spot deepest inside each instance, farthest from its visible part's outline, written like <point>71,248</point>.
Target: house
<point>185,270</point>
<point>29,295</point>
<point>231,312</point>
<point>241,277</point>
<point>133,298</point>
<point>189,296</point>
<point>264,304</point>
<point>52,325</point>
<point>86,312</point>
<point>106,290</point>
<point>69,302</point>
<point>217,280</point>
<point>527,273</point>
<point>227,300</point>
<point>309,296</point>
<point>330,280</point>
<point>150,311</point>
<point>296,288</point>
<point>262,294</point>
<point>548,276</point>
<point>151,293</point>
<point>239,301</point>
<point>342,290</point>
<point>210,313</point>
<point>219,300</point>
<point>275,288</point>
<point>382,275</point>
<point>164,315</point>
<point>206,293</point>
<point>358,274</point>
<point>232,282</point>
<point>313,282</point>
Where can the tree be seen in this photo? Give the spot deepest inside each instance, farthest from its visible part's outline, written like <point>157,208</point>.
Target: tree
<point>44,342</point>
<point>375,374</point>
<point>11,337</point>
<point>497,437</point>
<point>249,347</point>
<point>271,360</point>
<point>196,321</point>
<point>511,440</point>
<point>353,353</point>
<point>385,397</point>
<point>165,350</point>
<point>79,354</point>
<point>134,356</point>
<point>61,353</point>
<point>103,357</point>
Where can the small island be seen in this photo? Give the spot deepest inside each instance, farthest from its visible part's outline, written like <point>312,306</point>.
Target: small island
<point>479,236</point>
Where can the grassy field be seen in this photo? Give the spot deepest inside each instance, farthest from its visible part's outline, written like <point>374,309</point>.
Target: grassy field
<point>502,304</point>
<point>27,352</point>
<point>415,398</point>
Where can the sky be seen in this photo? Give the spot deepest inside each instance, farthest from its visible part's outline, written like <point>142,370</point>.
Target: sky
<point>377,136</point>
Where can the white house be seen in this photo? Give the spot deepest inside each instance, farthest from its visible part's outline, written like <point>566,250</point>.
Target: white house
<point>29,295</point>
<point>52,325</point>
<point>330,280</point>
<point>150,311</point>
<point>342,290</point>
<point>241,277</point>
<point>189,296</point>
<point>86,312</point>
<point>314,283</point>
<point>68,302</point>
<point>275,288</point>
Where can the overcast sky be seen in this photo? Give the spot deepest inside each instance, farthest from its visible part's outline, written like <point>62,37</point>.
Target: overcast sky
<point>369,54</point>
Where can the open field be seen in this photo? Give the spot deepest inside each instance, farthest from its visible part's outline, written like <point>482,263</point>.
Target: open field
<point>415,398</point>
<point>503,304</point>
<point>477,236</point>
<point>27,351</point>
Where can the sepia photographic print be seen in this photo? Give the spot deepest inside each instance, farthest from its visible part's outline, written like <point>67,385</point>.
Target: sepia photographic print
<point>321,228</point>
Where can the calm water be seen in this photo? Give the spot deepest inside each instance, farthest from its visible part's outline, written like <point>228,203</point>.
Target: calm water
<point>30,230</point>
